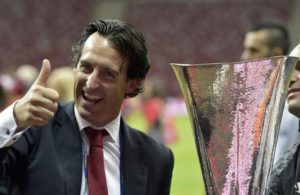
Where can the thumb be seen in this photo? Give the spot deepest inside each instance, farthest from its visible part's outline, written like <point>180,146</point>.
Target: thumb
<point>44,73</point>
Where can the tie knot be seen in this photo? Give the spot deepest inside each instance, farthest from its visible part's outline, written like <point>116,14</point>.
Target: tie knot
<point>95,136</point>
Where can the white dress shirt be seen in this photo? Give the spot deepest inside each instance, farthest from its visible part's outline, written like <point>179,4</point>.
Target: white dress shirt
<point>8,127</point>
<point>111,147</point>
<point>111,154</point>
<point>288,133</point>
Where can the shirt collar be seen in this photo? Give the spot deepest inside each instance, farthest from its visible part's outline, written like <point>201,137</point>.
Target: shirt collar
<point>112,128</point>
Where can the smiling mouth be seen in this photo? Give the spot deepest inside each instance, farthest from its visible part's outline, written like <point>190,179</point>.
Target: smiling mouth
<point>91,98</point>
<point>293,90</point>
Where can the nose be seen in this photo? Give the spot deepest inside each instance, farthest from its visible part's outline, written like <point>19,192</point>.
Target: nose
<point>295,76</point>
<point>92,81</point>
<point>245,55</point>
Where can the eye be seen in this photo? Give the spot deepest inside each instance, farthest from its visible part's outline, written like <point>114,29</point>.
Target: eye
<point>86,68</point>
<point>109,74</point>
<point>253,50</point>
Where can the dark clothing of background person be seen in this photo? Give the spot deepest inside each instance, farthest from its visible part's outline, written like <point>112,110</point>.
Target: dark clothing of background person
<point>286,174</point>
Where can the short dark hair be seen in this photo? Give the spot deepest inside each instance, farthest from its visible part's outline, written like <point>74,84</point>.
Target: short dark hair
<point>278,34</point>
<point>127,40</point>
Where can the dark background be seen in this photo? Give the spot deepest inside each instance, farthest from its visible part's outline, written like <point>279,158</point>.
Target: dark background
<point>182,31</point>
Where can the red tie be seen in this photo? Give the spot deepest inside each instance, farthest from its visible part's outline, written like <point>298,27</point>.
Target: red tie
<point>95,162</point>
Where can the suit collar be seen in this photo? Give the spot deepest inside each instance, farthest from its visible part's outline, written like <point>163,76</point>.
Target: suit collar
<point>112,127</point>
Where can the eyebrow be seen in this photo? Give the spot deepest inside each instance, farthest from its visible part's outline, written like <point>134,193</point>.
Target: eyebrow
<point>84,61</point>
<point>106,67</point>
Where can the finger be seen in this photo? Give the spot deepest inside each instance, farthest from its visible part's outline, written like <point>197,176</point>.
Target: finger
<point>42,96</point>
<point>39,91</point>
<point>36,120</point>
<point>44,73</point>
<point>41,112</point>
<point>45,103</point>
<point>50,94</point>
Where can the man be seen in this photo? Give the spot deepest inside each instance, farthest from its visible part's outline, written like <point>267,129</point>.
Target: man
<point>266,40</point>
<point>285,178</point>
<point>50,149</point>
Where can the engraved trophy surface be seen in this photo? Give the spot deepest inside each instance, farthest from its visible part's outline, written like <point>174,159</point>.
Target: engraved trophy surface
<point>235,110</point>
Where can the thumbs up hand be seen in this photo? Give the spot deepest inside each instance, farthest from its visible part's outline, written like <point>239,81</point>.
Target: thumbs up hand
<point>39,104</point>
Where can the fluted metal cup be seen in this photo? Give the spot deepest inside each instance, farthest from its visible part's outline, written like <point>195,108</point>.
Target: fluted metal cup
<point>235,110</point>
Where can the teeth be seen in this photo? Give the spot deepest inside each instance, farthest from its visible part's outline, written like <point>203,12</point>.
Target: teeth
<point>91,97</point>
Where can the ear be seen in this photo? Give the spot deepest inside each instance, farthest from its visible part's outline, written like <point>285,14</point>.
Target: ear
<point>277,51</point>
<point>132,85</point>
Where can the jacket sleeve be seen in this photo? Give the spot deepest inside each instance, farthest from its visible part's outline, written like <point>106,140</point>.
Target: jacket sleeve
<point>14,158</point>
<point>169,170</point>
<point>8,128</point>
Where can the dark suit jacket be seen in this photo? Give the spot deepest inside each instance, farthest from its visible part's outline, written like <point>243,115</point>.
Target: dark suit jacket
<point>47,160</point>
<point>285,176</point>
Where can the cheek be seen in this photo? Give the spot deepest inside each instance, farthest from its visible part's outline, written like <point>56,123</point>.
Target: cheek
<point>116,92</point>
<point>297,73</point>
<point>294,107</point>
<point>295,76</point>
<point>80,81</point>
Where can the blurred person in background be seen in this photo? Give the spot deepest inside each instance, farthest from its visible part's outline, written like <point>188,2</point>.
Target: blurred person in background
<point>161,126</point>
<point>48,148</point>
<point>13,88</point>
<point>153,109</point>
<point>27,74</point>
<point>285,177</point>
<point>62,80</point>
<point>266,39</point>
<point>269,39</point>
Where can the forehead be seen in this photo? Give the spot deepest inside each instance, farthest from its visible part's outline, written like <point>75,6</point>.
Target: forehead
<point>258,38</point>
<point>99,50</point>
<point>96,42</point>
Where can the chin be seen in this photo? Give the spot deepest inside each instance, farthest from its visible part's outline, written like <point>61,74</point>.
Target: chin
<point>83,113</point>
<point>294,108</point>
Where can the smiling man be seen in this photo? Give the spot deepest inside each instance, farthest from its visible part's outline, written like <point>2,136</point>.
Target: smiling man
<point>285,178</point>
<point>85,147</point>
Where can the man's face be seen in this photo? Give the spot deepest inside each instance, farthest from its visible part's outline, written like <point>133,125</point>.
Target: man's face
<point>256,46</point>
<point>293,97</point>
<point>101,81</point>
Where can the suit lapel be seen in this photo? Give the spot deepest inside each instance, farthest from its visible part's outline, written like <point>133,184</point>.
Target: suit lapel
<point>134,171</point>
<point>68,144</point>
<point>69,148</point>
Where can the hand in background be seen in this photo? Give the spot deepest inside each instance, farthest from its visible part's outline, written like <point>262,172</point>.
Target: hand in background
<point>39,104</point>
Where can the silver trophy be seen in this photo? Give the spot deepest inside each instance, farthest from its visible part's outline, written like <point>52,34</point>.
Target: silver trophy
<point>235,110</point>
